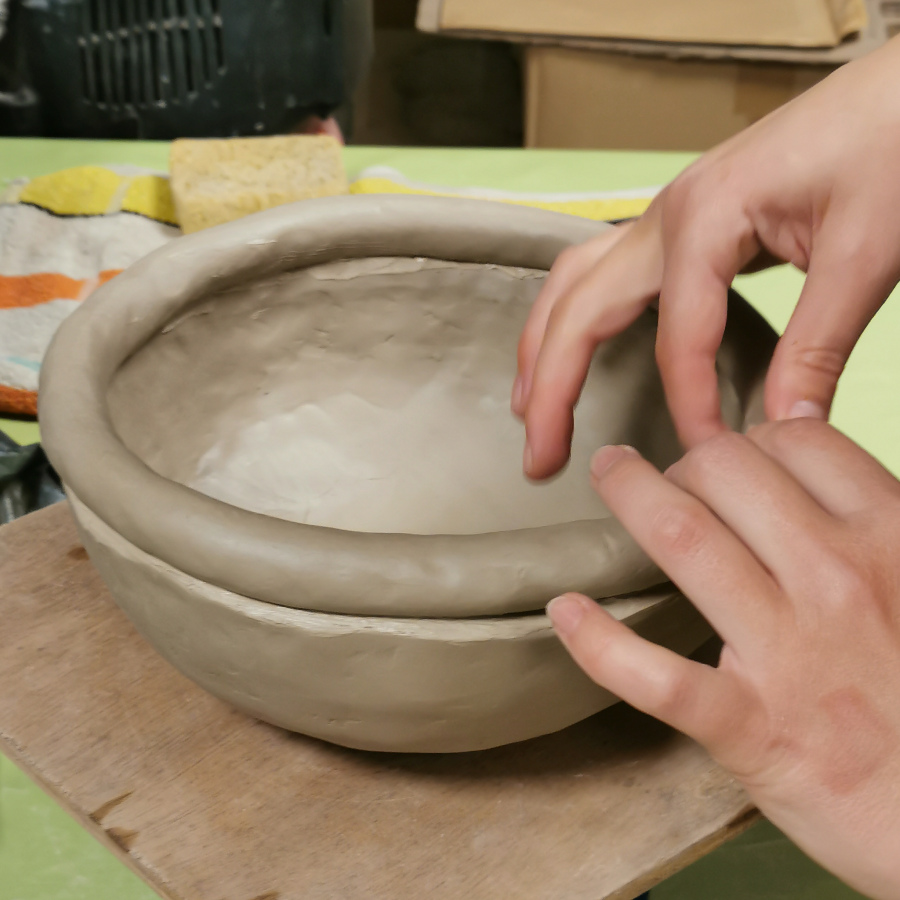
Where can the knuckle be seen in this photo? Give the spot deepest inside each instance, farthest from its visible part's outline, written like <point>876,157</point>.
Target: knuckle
<point>848,584</point>
<point>683,191</point>
<point>690,192</point>
<point>709,458</point>
<point>679,530</point>
<point>594,654</point>
<point>567,260</point>
<point>852,583</point>
<point>764,743</point>
<point>670,695</point>
<point>825,361</point>
<point>720,448</point>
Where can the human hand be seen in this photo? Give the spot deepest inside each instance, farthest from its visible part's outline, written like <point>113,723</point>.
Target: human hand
<point>817,184</point>
<point>786,540</point>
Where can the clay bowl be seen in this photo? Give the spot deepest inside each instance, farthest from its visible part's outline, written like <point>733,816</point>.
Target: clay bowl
<point>288,447</point>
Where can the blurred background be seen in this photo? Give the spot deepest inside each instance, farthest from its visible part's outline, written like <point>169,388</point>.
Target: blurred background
<point>647,74</point>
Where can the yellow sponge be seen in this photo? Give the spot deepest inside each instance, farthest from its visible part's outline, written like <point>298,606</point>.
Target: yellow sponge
<point>215,181</point>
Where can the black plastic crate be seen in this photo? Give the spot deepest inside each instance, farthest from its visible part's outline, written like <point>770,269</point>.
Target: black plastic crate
<point>160,69</point>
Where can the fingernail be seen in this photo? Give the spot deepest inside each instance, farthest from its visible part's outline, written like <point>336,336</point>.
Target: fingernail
<point>566,613</point>
<point>606,456</point>
<point>526,458</point>
<point>808,409</point>
<point>517,394</point>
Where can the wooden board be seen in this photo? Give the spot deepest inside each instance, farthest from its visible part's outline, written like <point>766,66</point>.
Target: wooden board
<point>208,804</point>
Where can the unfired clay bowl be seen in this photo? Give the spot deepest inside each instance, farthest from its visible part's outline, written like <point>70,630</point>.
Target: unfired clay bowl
<point>288,446</point>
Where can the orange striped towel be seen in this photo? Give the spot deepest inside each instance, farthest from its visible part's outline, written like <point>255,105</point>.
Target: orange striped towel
<point>61,236</point>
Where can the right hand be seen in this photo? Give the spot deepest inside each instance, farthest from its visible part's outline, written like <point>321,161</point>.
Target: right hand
<point>816,183</point>
<point>785,540</point>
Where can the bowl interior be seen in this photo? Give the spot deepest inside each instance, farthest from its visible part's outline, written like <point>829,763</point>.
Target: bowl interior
<point>373,395</point>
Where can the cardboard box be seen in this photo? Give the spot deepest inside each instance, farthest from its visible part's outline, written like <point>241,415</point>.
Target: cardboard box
<point>596,99</point>
<point>585,90</point>
<point>882,22</point>
<point>778,23</point>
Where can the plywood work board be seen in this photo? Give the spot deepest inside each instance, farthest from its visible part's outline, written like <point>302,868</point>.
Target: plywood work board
<point>207,804</point>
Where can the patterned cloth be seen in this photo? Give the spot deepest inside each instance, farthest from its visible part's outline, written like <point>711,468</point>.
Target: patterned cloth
<point>61,236</point>
<point>602,206</point>
<point>65,234</point>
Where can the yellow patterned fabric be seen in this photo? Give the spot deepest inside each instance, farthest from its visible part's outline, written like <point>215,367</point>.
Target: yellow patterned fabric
<point>604,206</point>
<point>96,191</point>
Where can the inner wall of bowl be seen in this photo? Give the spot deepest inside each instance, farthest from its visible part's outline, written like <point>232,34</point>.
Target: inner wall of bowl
<point>373,395</point>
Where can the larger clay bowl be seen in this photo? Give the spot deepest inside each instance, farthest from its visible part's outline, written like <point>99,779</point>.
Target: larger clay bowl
<point>288,446</point>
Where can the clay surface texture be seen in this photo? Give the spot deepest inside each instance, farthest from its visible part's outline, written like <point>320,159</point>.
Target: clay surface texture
<point>373,395</point>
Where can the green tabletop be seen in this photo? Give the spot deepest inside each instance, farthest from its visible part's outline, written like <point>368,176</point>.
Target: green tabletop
<point>45,856</point>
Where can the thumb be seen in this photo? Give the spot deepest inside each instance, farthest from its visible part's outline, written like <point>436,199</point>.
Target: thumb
<point>842,293</point>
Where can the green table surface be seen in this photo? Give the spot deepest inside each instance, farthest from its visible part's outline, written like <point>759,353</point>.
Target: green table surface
<point>46,856</point>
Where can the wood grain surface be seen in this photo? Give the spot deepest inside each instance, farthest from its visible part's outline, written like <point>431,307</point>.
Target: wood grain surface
<point>207,804</point>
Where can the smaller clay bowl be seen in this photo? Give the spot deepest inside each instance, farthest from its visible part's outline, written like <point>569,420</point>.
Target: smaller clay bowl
<point>372,682</point>
<point>288,447</point>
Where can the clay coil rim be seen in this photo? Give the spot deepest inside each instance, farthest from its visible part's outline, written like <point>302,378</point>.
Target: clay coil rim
<point>306,566</point>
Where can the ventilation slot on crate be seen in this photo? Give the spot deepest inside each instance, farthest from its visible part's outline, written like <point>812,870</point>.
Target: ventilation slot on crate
<point>138,53</point>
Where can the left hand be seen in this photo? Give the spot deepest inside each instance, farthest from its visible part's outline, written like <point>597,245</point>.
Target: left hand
<point>787,541</point>
<point>815,183</point>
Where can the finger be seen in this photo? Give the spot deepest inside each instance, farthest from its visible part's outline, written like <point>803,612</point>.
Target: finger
<point>689,696</point>
<point>838,474</point>
<point>690,544</point>
<point>706,246</point>
<point>844,288</point>
<point>570,267</point>
<point>759,501</point>
<point>608,299</point>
